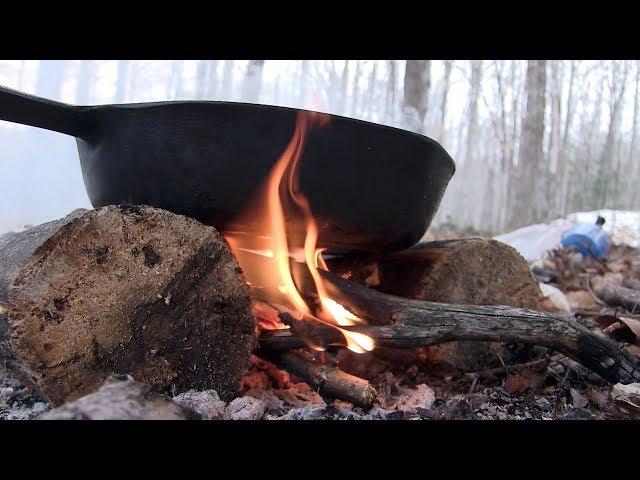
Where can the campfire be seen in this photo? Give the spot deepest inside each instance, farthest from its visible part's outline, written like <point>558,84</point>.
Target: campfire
<point>281,203</point>
<point>172,306</point>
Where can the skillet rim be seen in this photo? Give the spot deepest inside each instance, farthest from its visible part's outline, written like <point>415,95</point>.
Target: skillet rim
<point>445,156</point>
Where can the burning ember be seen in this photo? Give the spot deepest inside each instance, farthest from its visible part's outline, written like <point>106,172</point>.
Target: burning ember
<point>281,204</point>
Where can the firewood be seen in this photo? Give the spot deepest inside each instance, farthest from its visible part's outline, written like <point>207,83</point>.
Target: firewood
<point>616,295</point>
<point>329,380</point>
<point>121,398</point>
<point>477,271</point>
<point>129,289</point>
<point>405,323</point>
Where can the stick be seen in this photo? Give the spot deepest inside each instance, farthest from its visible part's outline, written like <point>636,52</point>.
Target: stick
<point>402,323</point>
<point>616,295</point>
<point>328,380</point>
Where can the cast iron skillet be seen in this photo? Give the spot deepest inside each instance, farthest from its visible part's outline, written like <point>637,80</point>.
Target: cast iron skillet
<point>371,187</point>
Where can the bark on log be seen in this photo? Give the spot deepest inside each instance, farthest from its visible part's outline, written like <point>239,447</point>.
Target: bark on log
<point>404,323</point>
<point>128,289</point>
<point>616,295</point>
<point>328,380</point>
<point>121,398</point>
<point>477,271</point>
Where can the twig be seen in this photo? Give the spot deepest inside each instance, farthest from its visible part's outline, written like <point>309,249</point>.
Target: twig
<point>328,380</point>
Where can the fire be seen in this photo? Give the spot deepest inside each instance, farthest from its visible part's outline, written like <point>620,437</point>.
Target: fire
<point>267,215</point>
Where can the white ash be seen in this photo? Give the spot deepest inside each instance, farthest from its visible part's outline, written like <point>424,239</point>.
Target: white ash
<point>207,403</point>
<point>16,402</point>
<point>245,408</point>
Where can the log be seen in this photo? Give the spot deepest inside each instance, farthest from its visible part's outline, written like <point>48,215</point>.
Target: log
<point>124,289</point>
<point>328,380</point>
<point>477,271</point>
<point>121,398</point>
<point>405,323</point>
<point>616,295</point>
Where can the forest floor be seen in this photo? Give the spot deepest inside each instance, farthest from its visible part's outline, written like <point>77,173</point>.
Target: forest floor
<point>537,384</point>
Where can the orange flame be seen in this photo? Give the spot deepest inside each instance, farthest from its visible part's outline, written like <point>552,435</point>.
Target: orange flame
<point>269,215</point>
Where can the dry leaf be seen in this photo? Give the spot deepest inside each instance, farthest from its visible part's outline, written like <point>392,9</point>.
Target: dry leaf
<point>634,326</point>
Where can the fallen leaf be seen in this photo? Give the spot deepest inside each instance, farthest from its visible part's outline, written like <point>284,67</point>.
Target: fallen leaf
<point>526,379</point>
<point>627,393</point>
<point>556,296</point>
<point>577,400</point>
<point>411,398</point>
<point>582,300</point>
<point>605,321</point>
<point>634,326</point>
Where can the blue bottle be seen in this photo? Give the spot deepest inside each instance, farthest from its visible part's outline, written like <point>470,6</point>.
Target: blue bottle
<point>589,239</point>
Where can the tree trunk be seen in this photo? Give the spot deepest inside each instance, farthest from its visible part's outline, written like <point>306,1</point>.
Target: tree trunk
<point>635,165</point>
<point>554,174</point>
<point>472,167</point>
<point>202,75</point>
<point>125,289</point>
<point>252,81</point>
<point>85,81</point>
<point>606,172</point>
<point>446,84</point>
<point>529,203</point>
<point>122,80</point>
<point>355,91</point>
<point>417,80</point>
<point>50,77</point>
<point>345,87</point>
<point>227,79</point>
<point>567,168</point>
<point>212,79</point>
<point>391,92</point>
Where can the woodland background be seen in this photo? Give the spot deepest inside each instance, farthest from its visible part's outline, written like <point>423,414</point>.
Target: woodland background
<point>532,140</point>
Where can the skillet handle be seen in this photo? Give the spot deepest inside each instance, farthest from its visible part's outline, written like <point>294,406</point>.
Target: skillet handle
<point>19,107</point>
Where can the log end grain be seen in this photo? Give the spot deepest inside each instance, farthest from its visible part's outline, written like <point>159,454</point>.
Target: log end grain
<point>132,290</point>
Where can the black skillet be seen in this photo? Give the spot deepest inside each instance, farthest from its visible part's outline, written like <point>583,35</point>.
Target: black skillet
<point>371,187</point>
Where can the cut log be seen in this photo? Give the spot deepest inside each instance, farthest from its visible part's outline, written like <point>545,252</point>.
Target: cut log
<point>404,323</point>
<point>121,398</point>
<point>477,271</point>
<point>129,289</point>
<point>616,295</point>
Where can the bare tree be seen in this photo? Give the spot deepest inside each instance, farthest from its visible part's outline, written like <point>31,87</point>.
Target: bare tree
<point>344,87</point>
<point>50,76</point>
<point>529,206</point>
<point>390,100</point>
<point>355,91</point>
<point>553,176</point>
<point>122,80</point>
<point>84,82</point>
<point>635,165</point>
<point>446,84</point>
<point>227,79</point>
<point>417,80</point>
<point>606,174</point>
<point>212,79</point>
<point>567,166</point>
<point>252,81</point>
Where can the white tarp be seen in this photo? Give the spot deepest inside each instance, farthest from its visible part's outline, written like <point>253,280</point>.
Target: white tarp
<point>533,241</point>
